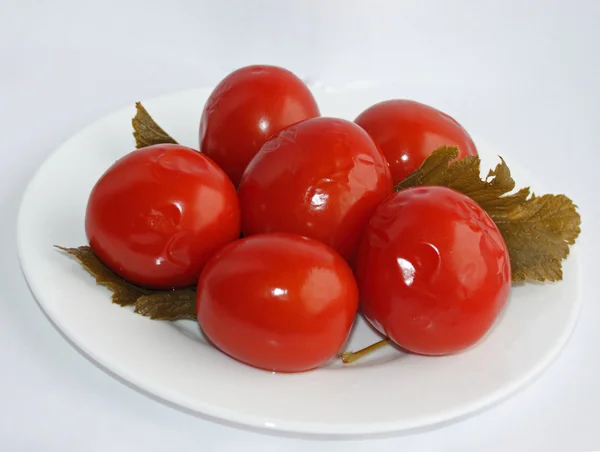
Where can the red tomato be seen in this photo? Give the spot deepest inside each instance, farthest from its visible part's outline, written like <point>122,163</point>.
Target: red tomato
<point>407,132</point>
<point>248,107</point>
<point>321,178</point>
<point>159,213</point>
<point>279,302</point>
<point>433,270</point>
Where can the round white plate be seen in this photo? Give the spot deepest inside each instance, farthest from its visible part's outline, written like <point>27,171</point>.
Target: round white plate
<point>388,391</point>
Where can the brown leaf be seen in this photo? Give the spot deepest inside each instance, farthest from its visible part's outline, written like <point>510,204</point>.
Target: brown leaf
<point>124,293</point>
<point>537,230</point>
<point>146,131</point>
<point>433,170</point>
<point>156,304</point>
<point>538,233</point>
<point>172,305</point>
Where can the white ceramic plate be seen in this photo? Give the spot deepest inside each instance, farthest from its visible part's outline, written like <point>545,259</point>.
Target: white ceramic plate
<point>389,391</point>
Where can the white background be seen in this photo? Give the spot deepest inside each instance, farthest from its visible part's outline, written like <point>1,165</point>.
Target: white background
<point>523,75</point>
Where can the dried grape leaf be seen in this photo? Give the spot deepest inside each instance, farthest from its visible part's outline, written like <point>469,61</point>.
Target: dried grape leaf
<point>124,293</point>
<point>537,230</point>
<point>172,305</point>
<point>433,170</point>
<point>146,131</point>
<point>538,233</point>
<point>156,304</point>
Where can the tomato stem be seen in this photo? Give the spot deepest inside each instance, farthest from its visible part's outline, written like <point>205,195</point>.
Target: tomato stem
<point>350,357</point>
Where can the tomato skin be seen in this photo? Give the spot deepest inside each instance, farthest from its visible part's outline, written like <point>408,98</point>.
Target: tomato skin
<point>321,178</point>
<point>433,270</point>
<point>407,132</point>
<point>278,302</point>
<point>248,107</point>
<point>159,213</point>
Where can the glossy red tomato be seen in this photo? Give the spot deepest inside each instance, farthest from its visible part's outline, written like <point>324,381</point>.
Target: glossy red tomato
<point>433,270</point>
<point>407,132</point>
<point>321,178</point>
<point>279,302</point>
<point>159,213</point>
<point>248,107</point>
